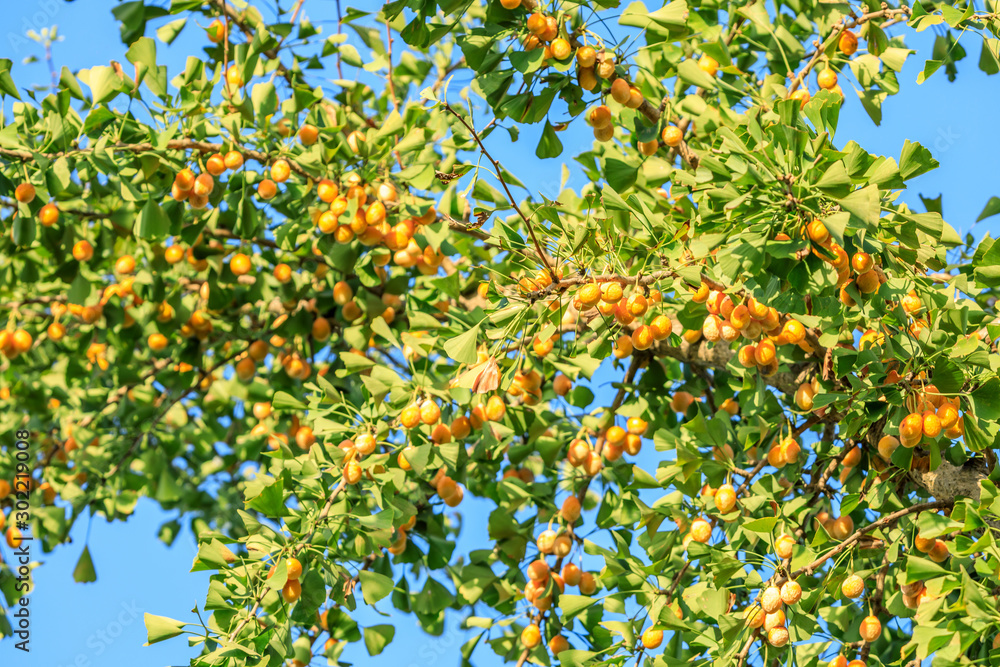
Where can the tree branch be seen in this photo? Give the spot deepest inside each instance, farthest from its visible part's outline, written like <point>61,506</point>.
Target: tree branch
<point>299,545</point>
<point>146,147</point>
<point>496,165</point>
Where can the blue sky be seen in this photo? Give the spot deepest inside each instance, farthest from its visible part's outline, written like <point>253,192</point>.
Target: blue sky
<point>101,624</point>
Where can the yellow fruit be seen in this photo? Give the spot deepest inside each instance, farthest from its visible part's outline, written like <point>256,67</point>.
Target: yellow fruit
<point>570,510</point>
<point>233,160</point>
<point>24,193</point>
<point>673,137</point>
<point>778,636</point>
<point>292,591</point>
<point>531,636</point>
<point>791,592</point>
<point>708,64</point>
<point>853,586</point>
<point>48,215</point>
<point>827,79</point>
<point>701,531</point>
<point>783,546</point>
<point>870,629</point>
<point>652,638</point>
<point>848,43</point>
<point>770,599</point>
<point>725,498</point>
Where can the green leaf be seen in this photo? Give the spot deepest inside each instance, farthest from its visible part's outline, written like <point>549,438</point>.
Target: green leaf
<point>462,348</point>
<point>79,290</point>
<point>381,327</point>
<point>549,144</point>
<point>672,15</point>
<point>863,204</point>
<point>921,569</point>
<point>284,401</point>
<point>154,224</point>
<point>264,98</point>
<point>266,495</point>
<point>104,84</point>
<point>168,33</point>
<point>571,605</point>
<point>992,208</point>
<point>989,57</point>
<point>24,230</point>
<point>948,377</point>
<point>986,400</point>
<point>159,628</point>
<point>142,54</point>
<point>877,40</point>
<point>835,181</point>
<point>689,72</point>
<point>764,525</point>
<point>915,160</point>
<point>377,637</point>
<point>7,86</point>
<point>621,175</point>
<point>930,67</point>
<point>84,572</point>
<point>374,586</point>
<point>527,62</point>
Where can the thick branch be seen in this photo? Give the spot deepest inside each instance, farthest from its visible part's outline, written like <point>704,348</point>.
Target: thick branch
<point>717,356</point>
<point>145,147</point>
<point>887,520</point>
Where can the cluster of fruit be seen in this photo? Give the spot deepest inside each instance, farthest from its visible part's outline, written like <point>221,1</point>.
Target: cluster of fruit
<point>14,343</point>
<point>592,66</point>
<point>868,277</point>
<point>48,214</point>
<point>614,440</point>
<point>543,33</point>
<point>784,452</point>
<point>427,414</point>
<point>826,79</point>
<point>527,386</point>
<point>768,612</point>
<point>609,299</point>
<point>544,584</point>
<point>728,321</point>
<point>932,415</point>
<point>292,590</point>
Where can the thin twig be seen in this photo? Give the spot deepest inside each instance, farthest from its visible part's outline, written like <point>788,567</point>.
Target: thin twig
<point>388,76</point>
<point>300,544</point>
<point>510,197</point>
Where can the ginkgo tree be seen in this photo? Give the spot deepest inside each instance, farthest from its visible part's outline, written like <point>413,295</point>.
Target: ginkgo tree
<point>290,292</point>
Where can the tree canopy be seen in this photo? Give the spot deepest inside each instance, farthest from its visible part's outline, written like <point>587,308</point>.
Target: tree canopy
<point>291,293</point>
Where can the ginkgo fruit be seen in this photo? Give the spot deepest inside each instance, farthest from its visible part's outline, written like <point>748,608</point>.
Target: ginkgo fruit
<point>770,599</point>
<point>853,586</point>
<point>24,193</point>
<point>783,546</point>
<point>701,530</point>
<point>291,591</point>
<point>531,636</point>
<point>791,592</point>
<point>870,628</point>
<point>725,498</point>
<point>848,43</point>
<point>652,638</point>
